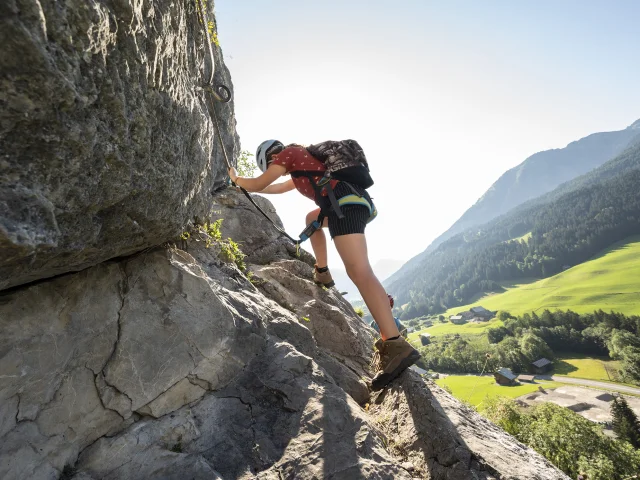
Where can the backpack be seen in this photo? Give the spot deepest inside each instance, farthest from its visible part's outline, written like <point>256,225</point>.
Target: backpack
<point>345,161</point>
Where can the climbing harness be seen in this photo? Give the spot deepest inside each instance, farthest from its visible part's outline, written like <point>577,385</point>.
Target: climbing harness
<point>324,184</point>
<point>359,200</point>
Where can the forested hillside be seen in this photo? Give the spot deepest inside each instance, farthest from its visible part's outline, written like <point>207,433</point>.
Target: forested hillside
<point>537,175</point>
<point>538,240</point>
<point>608,281</point>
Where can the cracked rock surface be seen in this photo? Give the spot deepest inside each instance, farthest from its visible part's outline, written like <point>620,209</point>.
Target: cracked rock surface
<point>171,364</point>
<point>106,143</point>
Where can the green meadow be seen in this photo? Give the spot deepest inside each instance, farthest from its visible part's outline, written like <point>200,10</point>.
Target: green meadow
<point>475,388</point>
<point>591,368</point>
<point>609,281</point>
<point>449,328</point>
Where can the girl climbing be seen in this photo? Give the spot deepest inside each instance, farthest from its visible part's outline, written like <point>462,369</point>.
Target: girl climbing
<point>347,231</point>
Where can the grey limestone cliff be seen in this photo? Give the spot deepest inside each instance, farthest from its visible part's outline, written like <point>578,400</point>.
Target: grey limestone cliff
<point>106,143</point>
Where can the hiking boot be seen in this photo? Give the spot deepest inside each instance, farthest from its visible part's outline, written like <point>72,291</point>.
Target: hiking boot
<point>393,358</point>
<point>323,278</point>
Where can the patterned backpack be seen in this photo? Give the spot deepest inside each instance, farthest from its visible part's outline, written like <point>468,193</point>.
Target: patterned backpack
<point>345,162</point>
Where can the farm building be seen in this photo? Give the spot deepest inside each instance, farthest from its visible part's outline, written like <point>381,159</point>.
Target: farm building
<point>482,313</point>
<point>542,366</point>
<point>505,376</point>
<point>526,378</point>
<point>468,315</point>
<point>475,314</point>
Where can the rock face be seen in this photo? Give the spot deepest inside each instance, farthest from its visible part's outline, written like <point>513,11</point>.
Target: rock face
<point>172,364</point>
<point>106,143</point>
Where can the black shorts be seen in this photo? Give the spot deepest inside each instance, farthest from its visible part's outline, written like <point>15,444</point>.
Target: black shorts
<point>355,216</point>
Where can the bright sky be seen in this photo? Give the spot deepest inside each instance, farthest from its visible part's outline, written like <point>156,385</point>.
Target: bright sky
<point>443,96</point>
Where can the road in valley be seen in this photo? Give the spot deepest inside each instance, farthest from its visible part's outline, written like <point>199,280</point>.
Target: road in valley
<point>592,383</point>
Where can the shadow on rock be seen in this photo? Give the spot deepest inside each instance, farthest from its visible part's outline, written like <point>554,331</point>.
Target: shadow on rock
<point>443,439</point>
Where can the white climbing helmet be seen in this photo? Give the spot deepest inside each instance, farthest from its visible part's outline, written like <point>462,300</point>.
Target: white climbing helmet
<point>263,150</point>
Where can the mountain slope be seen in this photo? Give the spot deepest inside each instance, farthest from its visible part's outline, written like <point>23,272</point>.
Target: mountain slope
<point>538,174</point>
<point>583,217</point>
<point>609,281</point>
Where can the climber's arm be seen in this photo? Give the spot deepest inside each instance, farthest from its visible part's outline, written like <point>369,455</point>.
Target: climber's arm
<point>279,187</point>
<point>260,183</point>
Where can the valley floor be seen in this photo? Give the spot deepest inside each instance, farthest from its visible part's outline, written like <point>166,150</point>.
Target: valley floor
<point>474,389</point>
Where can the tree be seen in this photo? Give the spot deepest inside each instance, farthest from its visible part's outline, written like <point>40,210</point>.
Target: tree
<point>441,318</point>
<point>534,348</point>
<point>509,355</point>
<point>496,335</point>
<point>625,422</point>
<point>504,315</point>
<point>246,166</point>
<point>631,365</point>
<point>571,442</point>
<point>620,341</point>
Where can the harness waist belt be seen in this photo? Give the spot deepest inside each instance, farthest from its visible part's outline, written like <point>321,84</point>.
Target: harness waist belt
<point>357,200</point>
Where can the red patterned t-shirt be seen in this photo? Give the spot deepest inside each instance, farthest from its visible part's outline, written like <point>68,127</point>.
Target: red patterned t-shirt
<point>297,158</point>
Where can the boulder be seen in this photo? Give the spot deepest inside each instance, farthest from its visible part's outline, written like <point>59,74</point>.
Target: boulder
<point>106,139</point>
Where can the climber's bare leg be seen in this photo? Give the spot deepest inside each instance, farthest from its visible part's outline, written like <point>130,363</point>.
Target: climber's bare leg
<point>353,251</point>
<point>318,239</point>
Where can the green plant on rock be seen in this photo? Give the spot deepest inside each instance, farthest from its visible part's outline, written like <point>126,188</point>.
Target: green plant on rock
<point>359,311</point>
<point>447,389</point>
<point>211,26</point>
<point>213,34</point>
<point>232,253</point>
<point>213,230</point>
<point>211,234</point>
<point>229,249</point>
